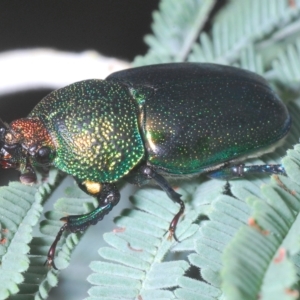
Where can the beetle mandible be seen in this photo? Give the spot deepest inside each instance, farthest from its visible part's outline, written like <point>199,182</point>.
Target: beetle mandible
<point>147,123</point>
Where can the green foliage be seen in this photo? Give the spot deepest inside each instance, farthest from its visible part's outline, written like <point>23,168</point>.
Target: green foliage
<point>137,252</point>
<point>22,253</point>
<point>246,245</point>
<point>21,207</point>
<point>176,27</point>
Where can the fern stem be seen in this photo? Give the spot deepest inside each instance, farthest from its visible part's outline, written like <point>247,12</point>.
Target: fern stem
<point>279,35</point>
<point>193,34</point>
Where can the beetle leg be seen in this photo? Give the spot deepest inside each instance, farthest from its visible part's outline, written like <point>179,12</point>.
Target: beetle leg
<point>51,253</point>
<point>242,170</point>
<point>44,171</point>
<point>163,183</point>
<point>107,198</point>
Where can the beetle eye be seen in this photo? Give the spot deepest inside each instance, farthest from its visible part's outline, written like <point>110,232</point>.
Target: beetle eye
<point>43,155</point>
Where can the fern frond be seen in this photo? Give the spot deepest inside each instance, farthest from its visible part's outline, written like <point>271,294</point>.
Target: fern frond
<point>285,65</point>
<point>257,262</point>
<point>139,250</point>
<point>192,289</point>
<point>38,280</point>
<point>176,27</point>
<point>15,206</point>
<point>254,22</point>
<point>21,208</point>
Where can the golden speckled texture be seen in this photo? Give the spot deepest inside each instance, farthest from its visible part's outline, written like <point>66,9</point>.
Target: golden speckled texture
<point>201,115</point>
<point>94,125</point>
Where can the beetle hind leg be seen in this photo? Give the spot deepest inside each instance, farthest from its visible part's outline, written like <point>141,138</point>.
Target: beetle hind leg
<point>241,170</point>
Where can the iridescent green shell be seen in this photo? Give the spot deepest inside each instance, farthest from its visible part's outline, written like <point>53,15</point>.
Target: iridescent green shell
<point>178,118</point>
<point>94,126</point>
<point>201,116</point>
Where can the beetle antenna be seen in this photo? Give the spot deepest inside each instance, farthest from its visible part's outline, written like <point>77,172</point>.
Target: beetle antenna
<point>4,124</point>
<point>3,128</point>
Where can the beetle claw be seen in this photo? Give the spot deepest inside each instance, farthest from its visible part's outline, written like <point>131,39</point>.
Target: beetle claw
<point>50,263</point>
<point>172,229</point>
<point>172,234</point>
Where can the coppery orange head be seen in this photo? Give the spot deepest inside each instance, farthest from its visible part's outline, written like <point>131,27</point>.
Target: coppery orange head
<point>25,143</point>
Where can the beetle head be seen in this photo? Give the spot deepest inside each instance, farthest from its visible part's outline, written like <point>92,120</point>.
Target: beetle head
<point>25,144</point>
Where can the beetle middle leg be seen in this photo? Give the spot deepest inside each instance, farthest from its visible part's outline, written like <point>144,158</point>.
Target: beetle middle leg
<point>107,195</point>
<point>149,173</point>
<point>240,170</point>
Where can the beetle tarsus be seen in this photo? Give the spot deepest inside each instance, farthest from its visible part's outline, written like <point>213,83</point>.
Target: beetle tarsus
<point>173,224</point>
<point>240,170</point>
<point>51,253</point>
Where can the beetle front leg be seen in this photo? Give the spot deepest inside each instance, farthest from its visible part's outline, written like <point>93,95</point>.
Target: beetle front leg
<point>163,183</point>
<point>108,196</point>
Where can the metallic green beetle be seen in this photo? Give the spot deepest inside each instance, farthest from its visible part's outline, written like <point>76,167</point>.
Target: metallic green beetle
<point>147,123</point>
